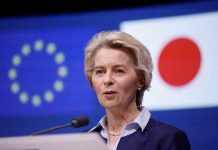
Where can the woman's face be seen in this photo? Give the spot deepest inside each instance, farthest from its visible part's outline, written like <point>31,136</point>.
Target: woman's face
<point>114,79</point>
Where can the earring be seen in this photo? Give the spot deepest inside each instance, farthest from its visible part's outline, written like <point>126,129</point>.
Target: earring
<point>139,89</point>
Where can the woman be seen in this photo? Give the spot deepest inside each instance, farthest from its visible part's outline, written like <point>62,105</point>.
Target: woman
<point>119,69</point>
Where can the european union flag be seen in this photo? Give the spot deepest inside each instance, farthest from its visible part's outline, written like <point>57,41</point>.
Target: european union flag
<point>41,72</point>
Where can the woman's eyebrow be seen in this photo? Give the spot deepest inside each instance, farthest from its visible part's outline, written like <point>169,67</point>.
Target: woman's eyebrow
<point>98,67</point>
<point>120,65</point>
<point>114,66</point>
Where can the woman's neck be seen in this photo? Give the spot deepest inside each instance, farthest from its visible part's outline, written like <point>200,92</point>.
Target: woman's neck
<point>117,119</point>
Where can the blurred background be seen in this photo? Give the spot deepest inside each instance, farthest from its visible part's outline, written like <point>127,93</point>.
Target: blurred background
<point>42,83</point>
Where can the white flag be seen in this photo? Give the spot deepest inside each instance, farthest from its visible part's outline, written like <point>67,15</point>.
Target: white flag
<point>185,55</point>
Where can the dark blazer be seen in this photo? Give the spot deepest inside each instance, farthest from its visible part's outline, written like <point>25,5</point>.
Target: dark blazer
<point>156,136</point>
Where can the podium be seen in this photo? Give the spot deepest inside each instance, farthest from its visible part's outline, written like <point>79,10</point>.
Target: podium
<point>75,141</point>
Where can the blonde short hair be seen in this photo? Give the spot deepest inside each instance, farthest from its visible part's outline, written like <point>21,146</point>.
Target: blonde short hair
<point>119,40</point>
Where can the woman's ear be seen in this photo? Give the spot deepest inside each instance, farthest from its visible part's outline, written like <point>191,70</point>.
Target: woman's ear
<point>141,81</point>
<point>91,84</point>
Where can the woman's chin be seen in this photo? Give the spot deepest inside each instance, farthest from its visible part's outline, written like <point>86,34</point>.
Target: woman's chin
<point>110,104</point>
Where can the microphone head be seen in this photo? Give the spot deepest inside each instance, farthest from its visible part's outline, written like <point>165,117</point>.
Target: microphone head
<point>80,121</point>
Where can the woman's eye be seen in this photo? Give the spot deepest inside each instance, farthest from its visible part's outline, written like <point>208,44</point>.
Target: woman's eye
<point>119,71</point>
<point>99,72</point>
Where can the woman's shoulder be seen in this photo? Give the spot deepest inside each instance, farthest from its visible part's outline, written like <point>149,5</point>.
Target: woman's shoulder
<point>162,127</point>
<point>166,132</point>
<point>167,135</point>
<point>154,124</point>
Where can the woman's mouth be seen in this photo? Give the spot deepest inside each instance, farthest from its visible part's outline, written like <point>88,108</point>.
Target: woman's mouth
<point>109,94</point>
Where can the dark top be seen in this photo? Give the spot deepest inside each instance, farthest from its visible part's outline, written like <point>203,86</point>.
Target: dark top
<point>156,136</point>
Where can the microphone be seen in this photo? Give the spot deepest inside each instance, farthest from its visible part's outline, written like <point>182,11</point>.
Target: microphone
<point>76,123</point>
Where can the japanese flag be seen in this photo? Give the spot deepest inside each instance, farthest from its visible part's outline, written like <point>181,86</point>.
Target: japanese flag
<point>185,56</point>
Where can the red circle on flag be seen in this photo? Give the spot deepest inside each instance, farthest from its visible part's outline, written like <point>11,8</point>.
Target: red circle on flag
<point>179,61</point>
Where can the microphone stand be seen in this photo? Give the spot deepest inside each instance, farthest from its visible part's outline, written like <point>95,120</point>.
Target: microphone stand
<point>76,123</point>
<point>51,129</point>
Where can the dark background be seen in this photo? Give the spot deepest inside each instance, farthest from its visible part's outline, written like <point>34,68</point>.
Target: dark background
<point>12,8</point>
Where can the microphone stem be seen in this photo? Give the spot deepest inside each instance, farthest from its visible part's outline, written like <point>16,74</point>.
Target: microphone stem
<point>51,129</point>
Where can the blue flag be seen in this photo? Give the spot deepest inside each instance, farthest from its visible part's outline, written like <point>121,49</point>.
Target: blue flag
<point>41,72</point>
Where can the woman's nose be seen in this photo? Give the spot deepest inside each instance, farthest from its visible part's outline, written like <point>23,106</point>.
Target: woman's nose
<point>108,79</point>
